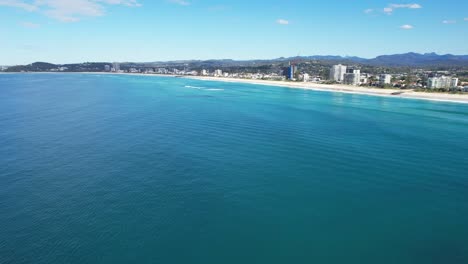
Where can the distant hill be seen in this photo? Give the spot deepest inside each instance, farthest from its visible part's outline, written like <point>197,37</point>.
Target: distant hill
<point>37,66</point>
<point>415,59</point>
<point>410,59</point>
<point>406,59</point>
<point>45,67</point>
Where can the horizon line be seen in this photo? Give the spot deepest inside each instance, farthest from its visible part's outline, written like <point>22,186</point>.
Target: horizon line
<point>231,59</point>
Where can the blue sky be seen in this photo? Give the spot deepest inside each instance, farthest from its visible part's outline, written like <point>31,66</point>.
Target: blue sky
<point>66,31</point>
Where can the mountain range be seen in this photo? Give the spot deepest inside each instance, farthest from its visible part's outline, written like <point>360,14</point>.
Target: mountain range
<point>395,60</point>
<point>406,59</point>
<point>410,59</point>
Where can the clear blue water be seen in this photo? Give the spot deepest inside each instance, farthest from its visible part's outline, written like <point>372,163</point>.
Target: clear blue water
<point>130,169</point>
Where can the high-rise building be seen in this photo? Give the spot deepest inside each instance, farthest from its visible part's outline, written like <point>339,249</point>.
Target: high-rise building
<point>305,77</point>
<point>116,67</point>
<point>107,68</point>
<point>292,71</point>
<point>352,76</point>
<point>442,82</point>
<point>337,73</point>
<point>385,79</point>
<point>218,73</point>
<point>204,72</point>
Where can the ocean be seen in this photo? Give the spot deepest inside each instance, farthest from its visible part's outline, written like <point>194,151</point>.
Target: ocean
<point>143,169</point>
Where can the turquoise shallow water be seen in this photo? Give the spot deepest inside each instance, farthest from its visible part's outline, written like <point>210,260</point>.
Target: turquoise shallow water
<point>129,169</point>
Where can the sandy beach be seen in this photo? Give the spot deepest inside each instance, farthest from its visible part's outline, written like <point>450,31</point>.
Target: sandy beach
<point>410,94</point>
<point>456,98</point>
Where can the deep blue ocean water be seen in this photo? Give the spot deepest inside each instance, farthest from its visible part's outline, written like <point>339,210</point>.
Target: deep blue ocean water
<point>137,169</point>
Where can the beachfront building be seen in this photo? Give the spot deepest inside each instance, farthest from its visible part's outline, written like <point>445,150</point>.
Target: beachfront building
<point>385,79</point>
<point>116,67</point>
<point>364,78</point>
<point>305,77</point>
<point>442,82</point>
<point>204,72</point>
<point>317,79</point>
<point>218,73</point>
<point>352,76</point>
<point>162,71</point>
<point>107,68</point>
<point>292,71</point>
<point>337,73</point>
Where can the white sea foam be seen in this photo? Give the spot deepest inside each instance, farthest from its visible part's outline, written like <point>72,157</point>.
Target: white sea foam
<point>203,88</point>
<point>194,87</point>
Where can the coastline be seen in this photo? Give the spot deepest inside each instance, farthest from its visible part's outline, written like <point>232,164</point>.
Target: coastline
<point>337,88</point>
<point>409,94</point>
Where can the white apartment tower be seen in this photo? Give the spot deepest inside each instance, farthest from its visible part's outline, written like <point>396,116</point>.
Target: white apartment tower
<point>385,79</point>
<point>337,73</point>
<point>352,77</point>
<point>116,67</point>
<point>442,82</point>
<point>218,73</point>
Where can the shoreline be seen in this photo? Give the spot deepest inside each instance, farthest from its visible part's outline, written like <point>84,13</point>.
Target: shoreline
<point>336,88</point>
<point>340,88</point>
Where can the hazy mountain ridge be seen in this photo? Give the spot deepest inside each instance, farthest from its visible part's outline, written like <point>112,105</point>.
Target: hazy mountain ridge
<point>410,59</point>
<point>405,59</point>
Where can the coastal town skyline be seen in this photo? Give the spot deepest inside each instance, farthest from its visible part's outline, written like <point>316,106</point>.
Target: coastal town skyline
<point>216,131</point>
<point>140,30</point>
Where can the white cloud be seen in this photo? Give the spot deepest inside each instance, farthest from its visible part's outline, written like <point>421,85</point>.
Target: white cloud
<point>392,7</point>
<point>407,27</point>
<point>466,19</point>
<point>388,10</point>
<point>449,22</point>
<point>368,11</point>
<point>68,10</point>
<point>18,4</point>
<point>282,22</point>
<point>29,25</point>
<point>410,6</point>
<point>180,2</point>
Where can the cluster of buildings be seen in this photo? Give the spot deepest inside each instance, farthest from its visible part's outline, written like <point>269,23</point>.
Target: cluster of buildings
<point>442,82</point>
<point>292,73</point>
<point>353,76</point>
<point>203,72</point>
<point>257,76</point>
<point>60,69</point>
<point>338,73</point>
<point>115,67</point>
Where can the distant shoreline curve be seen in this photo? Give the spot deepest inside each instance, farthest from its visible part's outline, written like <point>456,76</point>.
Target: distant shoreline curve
<point>337,88</point>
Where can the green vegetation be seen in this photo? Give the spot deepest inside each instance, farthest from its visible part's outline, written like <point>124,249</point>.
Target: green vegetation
<point>49,67</point>
<point>403,77</point>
